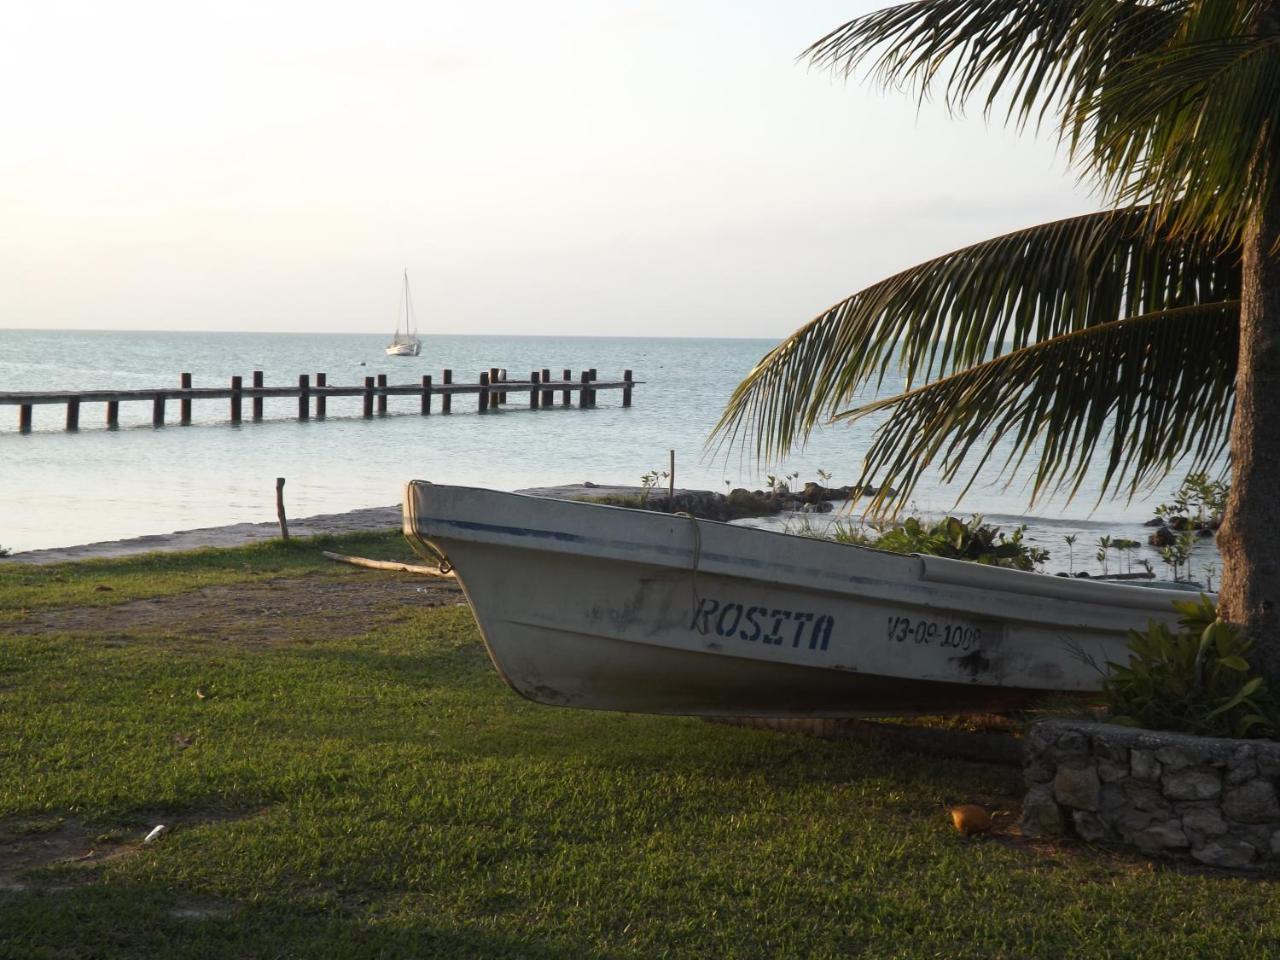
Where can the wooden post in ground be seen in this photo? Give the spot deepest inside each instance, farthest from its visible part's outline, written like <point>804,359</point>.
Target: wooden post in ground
<point>484,393</point>
<point>157,410</point>
<point>426,394</point>
<point>237,385</point>
<point>184,403</point>
<point>322,380</point>
<point>257,401</point>
<point>626,391</point>
<point>24,418</point>
<point>382,394</point>
<point>368,397</point>
<point>113,414</point>
<point>564,394</point>
<point>73,413</point>
<point>584,399</point>
<point>284,524</point>
<point>304,396</point>
<point>535,394</point>
<point>548,396</point>
<point>594,378</point>
<point>446,399</point>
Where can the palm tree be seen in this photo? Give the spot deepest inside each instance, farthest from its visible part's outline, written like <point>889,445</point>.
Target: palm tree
<point>1145,336</point>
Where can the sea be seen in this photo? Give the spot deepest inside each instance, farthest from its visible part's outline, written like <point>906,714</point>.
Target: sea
<point>61,489</point>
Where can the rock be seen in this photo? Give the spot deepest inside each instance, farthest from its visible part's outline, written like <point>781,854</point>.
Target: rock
<point>1038,771</point>
<point>1041,815</point>
<point>1162,537</point>
<point>1146,797</point>
<point>1131,822</point>
<point>1173,758</point>
<point>1144,765</point>
<point>1077,787</point>
<point>589,485</point>
<point>1231,854</point>
<point>1268,764</point>
<point>813,493</point>
<point>1112,772</point>
<point>1242,767</point>
<point>1106,749</point>
<point>1206,820</point>
<point>1071,743</point>
<point>1042,737</point>
<point>1154,522</point>
<point>1193,783</point>
<point>1160,836</point>
<point>1089,826</point>
<point>1253,802</point>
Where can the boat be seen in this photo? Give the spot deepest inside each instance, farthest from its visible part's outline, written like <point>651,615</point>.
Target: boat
<point>405,344</point>
<point>611,608</point>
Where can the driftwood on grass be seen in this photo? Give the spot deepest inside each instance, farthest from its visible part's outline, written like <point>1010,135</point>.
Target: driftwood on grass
<point>386,565</point>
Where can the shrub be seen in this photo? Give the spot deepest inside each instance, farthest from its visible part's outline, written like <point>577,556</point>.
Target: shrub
<point>953,538</point>
<point>1194,680</point>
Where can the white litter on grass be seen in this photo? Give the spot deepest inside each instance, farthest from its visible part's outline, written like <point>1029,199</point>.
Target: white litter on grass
<point>155,833</point>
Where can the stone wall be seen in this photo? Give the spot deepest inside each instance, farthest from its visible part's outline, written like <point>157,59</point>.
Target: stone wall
<point>1172,795</point>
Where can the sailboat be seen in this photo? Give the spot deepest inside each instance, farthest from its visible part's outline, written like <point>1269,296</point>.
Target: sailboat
<point>405,344</point>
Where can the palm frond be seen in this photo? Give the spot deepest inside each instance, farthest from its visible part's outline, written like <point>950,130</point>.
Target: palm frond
<point>962,308</point>
<point>1036,54</point>
<point>1144,393</point>
<point>1193,127</point>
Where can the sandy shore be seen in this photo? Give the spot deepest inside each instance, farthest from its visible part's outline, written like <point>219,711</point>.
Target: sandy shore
<point>240,534</point>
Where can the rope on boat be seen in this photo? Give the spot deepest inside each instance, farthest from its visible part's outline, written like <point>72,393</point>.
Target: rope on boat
<point>693,578</point>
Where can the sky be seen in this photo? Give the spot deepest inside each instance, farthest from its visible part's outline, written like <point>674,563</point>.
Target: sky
<point>593,167</point>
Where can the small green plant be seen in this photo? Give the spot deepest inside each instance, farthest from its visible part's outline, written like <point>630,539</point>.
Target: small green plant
<point>824,478</point>
<point>1104,546</point>
<point>950,537</point>
<point>1071,552</point>
<point>1199,503</point>
<point>5,551</point>
<point>1125,548</point>
<point>648,481</point>
<point>1178,554</point>
<point>1195,680</point>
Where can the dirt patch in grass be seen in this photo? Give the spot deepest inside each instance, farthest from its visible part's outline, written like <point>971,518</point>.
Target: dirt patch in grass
<point>268,612</point>
<point>76,849</point>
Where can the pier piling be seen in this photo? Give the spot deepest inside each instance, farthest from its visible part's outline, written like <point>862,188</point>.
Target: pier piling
<point>446,401</point>
<point>73,414</point>
<point>426,394</point>
<point>584,398</point>
<point>535,378</point>
<point>368,397</point>
<point>184,403</point>
<point>237,386</point>
<point>626,391</point>
<point>304,396</point>
<point>257,397</point>
<point>322,381</point>
<point>565,399</point>
<point>113,414</point>
<point>548,396</point>
<point>157,410</point>
<point>382,394</point>
<point>484,393</point>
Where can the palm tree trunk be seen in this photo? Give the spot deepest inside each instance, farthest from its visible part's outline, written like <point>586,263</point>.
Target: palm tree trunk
<point>1250,536</point>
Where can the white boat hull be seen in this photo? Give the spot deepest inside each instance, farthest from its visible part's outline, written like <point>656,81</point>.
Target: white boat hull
<point>606,608</point>
<point>404,349</point>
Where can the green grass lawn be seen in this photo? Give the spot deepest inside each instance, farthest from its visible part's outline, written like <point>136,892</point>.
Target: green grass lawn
<point>382,794</point>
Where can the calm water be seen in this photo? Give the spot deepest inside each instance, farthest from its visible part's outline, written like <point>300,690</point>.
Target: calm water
<point>62,489</point>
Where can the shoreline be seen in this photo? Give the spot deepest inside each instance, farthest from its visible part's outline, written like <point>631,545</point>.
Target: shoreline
<point>360,520</point>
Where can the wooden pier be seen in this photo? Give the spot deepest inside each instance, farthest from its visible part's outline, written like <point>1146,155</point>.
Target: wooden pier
<point>491,390</point>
